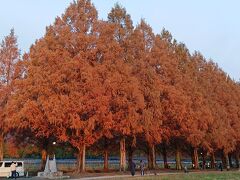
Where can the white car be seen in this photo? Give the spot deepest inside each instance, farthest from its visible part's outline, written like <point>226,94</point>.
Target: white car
<point>5,170</point>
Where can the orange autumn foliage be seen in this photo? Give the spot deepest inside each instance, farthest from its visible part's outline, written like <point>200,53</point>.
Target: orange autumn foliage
<point>88,80</point>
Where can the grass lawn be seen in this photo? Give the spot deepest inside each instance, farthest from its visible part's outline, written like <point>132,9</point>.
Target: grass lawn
<point>191,176</point>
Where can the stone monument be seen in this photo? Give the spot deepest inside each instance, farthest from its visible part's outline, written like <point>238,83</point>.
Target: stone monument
<point>50,170</point>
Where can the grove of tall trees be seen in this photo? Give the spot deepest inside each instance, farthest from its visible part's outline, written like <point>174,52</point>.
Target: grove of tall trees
<point>108,85</point>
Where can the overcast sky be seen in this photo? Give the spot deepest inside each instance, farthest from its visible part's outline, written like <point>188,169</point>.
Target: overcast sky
<point>209,26</point>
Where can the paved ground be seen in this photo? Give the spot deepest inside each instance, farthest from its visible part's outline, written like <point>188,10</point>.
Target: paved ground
<point>96,176</point>
<point>117,176</point>
<point>138,175</point>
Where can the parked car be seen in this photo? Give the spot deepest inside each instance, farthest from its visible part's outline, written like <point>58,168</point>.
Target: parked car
<point>5,170</point>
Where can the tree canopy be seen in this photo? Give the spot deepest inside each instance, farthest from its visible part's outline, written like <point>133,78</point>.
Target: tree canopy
<point>88,80</point>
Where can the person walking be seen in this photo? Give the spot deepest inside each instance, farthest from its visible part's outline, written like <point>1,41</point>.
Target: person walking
<point>221,166</point>
<point>132,168</point>
<point>13,170</point>
<point>142,166</point>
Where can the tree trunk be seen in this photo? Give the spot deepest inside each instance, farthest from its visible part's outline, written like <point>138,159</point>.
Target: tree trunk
<point>81,158</point>
<point>44,152</point>
<point>105,160</point>
<point>203,160</point>
<point>43,158</point>
<point>237,159</point>
<point>149,161</point>
<point>195,158</point>
<point>178,159</point>
<point>164,153</point>
<point>122,155</point>
<point>151,157</point>
<point>225,160</point>
<point>213,160</point>
<point>230,160</point>
<point>1,147</point>
<point>130,156</point>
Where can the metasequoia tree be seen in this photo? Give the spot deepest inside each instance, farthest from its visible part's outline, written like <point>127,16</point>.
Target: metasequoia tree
<point>150,87</point>
<point>123,28</point>
<point>200,117</point>
<point>9,56</point>
<point>47,85</point>
<point>162,60</point>
<point>236,117</point>
<point>26,111</point>
<point>176,113</point>
<point>126,101</point>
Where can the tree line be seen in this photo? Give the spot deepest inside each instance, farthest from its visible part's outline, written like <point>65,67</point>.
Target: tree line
<point>110,86</point>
